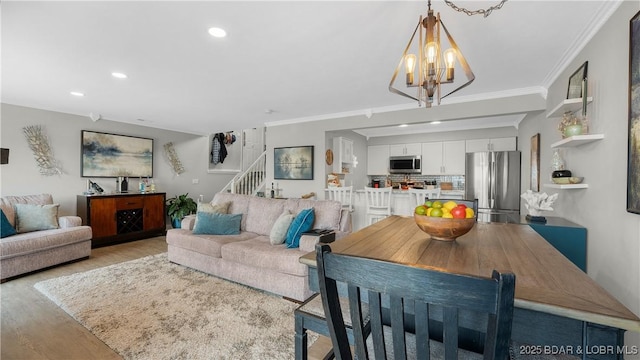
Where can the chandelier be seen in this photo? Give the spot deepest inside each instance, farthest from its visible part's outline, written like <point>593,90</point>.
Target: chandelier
<point>434,66</point>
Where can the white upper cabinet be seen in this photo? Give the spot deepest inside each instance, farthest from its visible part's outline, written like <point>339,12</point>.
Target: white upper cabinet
<point>343,155</point>
<point>497,144</point>
<point>443,158</point>
<point>405,149</point>
<point>378,160</point>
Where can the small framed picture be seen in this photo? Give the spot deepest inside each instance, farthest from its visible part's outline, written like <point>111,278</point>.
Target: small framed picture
<point>535,163</point>
<point>578,82</point>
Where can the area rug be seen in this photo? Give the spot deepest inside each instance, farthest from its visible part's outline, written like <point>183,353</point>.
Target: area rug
<point>150,308</point>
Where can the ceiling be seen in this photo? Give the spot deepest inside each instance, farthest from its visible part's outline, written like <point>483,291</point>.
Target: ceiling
<point>282,61</point>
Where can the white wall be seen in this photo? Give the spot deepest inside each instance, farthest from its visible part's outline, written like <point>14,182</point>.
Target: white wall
<point>21,176</point>
<point>613,233</point>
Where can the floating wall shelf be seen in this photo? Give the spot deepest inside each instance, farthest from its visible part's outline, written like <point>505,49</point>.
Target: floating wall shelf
<point>567,105</point>
<point>567,186</point>
<point>577,140</point>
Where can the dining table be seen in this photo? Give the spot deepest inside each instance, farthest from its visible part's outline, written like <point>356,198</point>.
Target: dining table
<point>559,309</point>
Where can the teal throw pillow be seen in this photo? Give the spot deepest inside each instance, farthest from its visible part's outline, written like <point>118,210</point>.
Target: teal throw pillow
<point>217,224</point>
<point>32,217</point>
<point>5,226</point>
<point>302,223</point>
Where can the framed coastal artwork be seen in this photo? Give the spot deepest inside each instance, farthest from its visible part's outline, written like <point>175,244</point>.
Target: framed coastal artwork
<point>112,155</point>
<point>293,163</point>
<point>535,163</point>
<point>578,82</point>
<point>633,159</point>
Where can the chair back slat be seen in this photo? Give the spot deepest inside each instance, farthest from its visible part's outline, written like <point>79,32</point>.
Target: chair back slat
<point>421,195</point>
<point>398,290</point>
<point>343,195</point>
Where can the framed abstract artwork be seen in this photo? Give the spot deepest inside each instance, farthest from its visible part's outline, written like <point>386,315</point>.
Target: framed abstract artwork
<point>633,156</point>
<point>535,163</point>
<point>578,82</point>
<point>293,163</point>
<point>111,155</point>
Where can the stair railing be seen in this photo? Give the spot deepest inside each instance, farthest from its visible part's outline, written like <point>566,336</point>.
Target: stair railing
<point>251,180</point>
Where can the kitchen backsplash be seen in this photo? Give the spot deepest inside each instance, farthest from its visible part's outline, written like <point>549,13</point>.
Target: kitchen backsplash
<point>456,180</point>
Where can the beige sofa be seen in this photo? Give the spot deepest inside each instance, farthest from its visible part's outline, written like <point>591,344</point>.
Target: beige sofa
<point>249,258</point>
<point>29,251</point>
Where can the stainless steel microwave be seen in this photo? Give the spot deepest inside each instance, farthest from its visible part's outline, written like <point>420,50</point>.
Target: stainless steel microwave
<point>405,164</point>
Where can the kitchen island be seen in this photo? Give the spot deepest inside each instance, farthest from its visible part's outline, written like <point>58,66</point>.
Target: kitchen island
<point>558,306</point>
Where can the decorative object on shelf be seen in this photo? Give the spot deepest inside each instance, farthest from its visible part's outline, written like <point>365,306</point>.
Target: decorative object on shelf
<point>633,160</point>
<point>180,206</point>
<point>434,66</point>
<point>536,203</point>
<point>535,162</point>
<point>571,125</point>
<point>557,163</point>
<point>567,180</point>
<point>293,163</point>
<point>112,155</point>
<point>172,157</point>
<point>39,144</point>
<point>578,86</point>
<point>333,180</point>
<point>328,157</point>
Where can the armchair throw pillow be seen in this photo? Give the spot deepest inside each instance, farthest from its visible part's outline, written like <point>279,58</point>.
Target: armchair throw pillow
<point>217,224</point>
<point>32,217</point>
<point>302,223</point>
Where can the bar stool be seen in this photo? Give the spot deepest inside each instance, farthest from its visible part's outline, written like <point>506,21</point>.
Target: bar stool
<point>421,195</point>
<point>343,195</point>
<point>378,202</point>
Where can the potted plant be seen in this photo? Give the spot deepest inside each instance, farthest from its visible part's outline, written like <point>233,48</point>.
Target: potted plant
<point>180,206</point>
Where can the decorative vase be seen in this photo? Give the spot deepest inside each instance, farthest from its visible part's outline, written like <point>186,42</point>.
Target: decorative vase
<point>572,130</point>
<point>176,223</point>
<point>556,161</point>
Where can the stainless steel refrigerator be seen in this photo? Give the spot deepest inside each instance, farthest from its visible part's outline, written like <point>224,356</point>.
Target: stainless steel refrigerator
<point>493,177</point>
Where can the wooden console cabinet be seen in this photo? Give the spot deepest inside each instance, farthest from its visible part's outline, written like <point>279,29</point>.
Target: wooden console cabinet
<point>122,217</point>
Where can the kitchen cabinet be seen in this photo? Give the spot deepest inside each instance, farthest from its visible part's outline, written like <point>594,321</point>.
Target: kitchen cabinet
<point>405,149</point>
<point>343,155</point>
<point>122,217</point>
<point>443,158</point>
<point>378,160</point>
<point>496,144</point>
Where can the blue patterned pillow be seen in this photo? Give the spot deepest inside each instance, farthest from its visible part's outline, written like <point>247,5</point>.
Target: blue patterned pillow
<point>5,226</point>
<point>302,223</point>
<point>217,224</point>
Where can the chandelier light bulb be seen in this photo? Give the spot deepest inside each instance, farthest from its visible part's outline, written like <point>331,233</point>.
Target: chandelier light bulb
<point>431,54</point>
<point>410,65</point>
<point>450,62</point>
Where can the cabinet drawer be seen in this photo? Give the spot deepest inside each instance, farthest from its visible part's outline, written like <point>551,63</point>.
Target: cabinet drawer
<point>130,202</point>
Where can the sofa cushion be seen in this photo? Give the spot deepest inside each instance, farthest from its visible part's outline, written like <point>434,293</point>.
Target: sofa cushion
<point>280,228</point>
<point>239,205</point>
<point>6,229</point>
<point>33,242</point>
<point>217,224</point>
<point>209,245</point>
<point>302,223</point>
<point>221,208</point>
<point>327,212</point>
<point>258,252</point>
<point>7,202</point>
<point>33,217</point>
<point>263,213</point>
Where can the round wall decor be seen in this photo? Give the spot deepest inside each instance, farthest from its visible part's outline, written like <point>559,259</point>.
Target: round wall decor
<point>328,156</point>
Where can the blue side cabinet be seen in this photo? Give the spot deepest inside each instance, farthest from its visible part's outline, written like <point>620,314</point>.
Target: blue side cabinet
<point>569,238</point>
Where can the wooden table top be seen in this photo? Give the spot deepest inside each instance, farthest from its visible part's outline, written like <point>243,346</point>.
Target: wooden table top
<point>546,281</point>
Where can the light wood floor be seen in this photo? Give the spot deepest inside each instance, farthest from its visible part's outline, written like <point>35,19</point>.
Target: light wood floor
<point>35,328</point>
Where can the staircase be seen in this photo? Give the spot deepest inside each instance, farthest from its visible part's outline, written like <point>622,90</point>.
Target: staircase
<point>251,180</point>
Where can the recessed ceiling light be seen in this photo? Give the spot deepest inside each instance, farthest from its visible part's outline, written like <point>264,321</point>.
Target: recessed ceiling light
<point>77,93</point>
<point>435,122</point>
<point>217,32</point>
<point>119,75</point>
<point>403,125</point>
